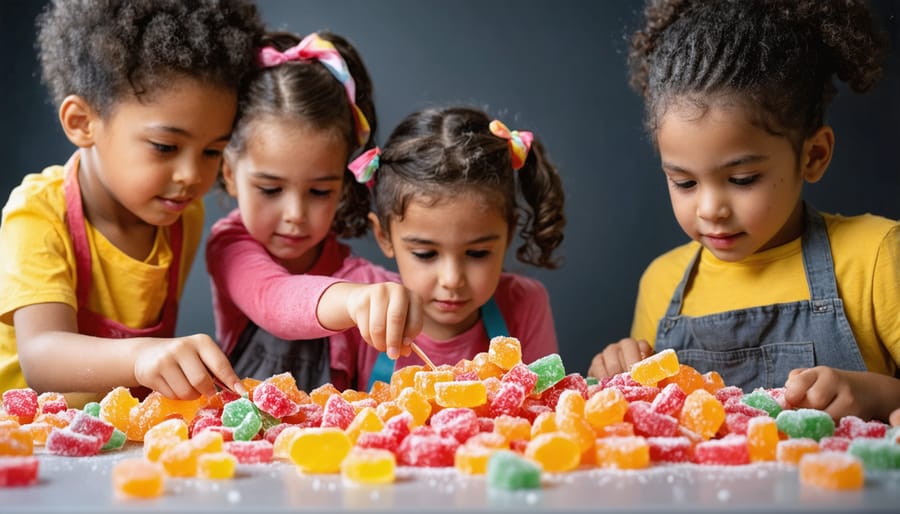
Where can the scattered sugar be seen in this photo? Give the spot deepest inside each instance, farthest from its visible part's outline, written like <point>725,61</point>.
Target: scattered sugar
<point>234,496</point>
<point>723,495</point>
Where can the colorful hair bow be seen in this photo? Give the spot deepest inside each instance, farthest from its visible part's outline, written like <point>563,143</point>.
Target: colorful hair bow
<point>314,47</point>
<point>364,166</point>
<point>519,142</point>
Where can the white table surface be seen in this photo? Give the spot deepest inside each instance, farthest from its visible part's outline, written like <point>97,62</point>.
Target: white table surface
<point>84,484</point>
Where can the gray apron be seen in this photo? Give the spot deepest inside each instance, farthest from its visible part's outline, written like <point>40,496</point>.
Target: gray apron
<point>259,354</point>
<point>759,346</point>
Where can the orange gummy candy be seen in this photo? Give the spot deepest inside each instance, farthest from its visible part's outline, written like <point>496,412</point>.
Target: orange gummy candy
<point>762,438</point>
<point>656,367</point>
<point>605,408</point>
<point>790,451</point>
<point>505,352</point>
<point>116,407</point>
<point>623,452</point>
<point>555,452</point>
<point>138,477</point>
<point>832,470</point>
<point>702,413</point>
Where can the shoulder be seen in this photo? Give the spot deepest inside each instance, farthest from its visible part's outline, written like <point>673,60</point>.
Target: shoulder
<point>39,193</point>
<point>862,233</point>
<point>670,264</point>
<point>231,222</point>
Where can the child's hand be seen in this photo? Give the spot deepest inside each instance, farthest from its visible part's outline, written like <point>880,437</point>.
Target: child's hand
<point>895,418</point>
<point>839,393</point>
<point>180,367</point>
<point>388,316</point>
<point>618,357</point>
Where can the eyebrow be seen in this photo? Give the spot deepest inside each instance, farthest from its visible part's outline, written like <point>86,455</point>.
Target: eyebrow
<point>740,161</point>
<point>182,132</point>
<point>423,241</point>
<point>268,176</point>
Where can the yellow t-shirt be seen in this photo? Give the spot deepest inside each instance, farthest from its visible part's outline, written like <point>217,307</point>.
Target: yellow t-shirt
<point>37,265</point>
<point>866,254</point>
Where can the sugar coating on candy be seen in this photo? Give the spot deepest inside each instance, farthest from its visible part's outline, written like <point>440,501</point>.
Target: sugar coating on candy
<point>669,449</point>
<point>731,450</point>
<point>18,471</point>
<point>762,400</point>
<point>116,440</point>
<point>570,382</point>
<point>854,427</point>
<point>669,401</point>
<point>84,423</point>
<point>762,438</point>
<point>272,400</point>
<point>656,367</point>
<point>15,441</point>
<point>180,459</point>
<point>369,466</point>
<point>472,459</point>
<point>508,399</point>
<point>22,403</point>
<point>629,452</point>
<point>425,448</point>
<point>250,452</point>
<point>508,471</point>
<point>522,375</point>
<point>809,423</point>
<point>702,413</point>
<point>424,381</point>
<point>72,444</point>
<point>505,352</point>
<point>50,403</point>
<point>337,413</point>
<point>549,370</point>
<point>648,423</point>
<point>876,454</point>
<point>249,427</point>
<point>115,407</point>
<point>832,470</point>
<point>138,478</point>
<point>789,451</point>
<point>458,423</point>
<point>234,412</point>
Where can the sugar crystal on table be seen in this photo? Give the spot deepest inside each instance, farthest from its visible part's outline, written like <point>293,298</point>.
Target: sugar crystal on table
<point>832,470</point>
<point>369,466</point>
<point>656,367</point>
<point>138,477</point>
<point>17,471</point>
<point>808,423</point>
<point>508,471</point>
<point>549,370</point>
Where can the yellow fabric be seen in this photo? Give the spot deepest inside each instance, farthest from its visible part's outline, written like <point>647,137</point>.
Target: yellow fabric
<point>37,265</point>
<point>866,254</point>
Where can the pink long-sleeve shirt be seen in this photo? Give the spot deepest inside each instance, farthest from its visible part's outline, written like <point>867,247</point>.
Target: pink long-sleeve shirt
<point>247,284</point>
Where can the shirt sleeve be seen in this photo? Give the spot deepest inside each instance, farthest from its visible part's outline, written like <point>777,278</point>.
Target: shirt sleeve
<point>282,303</point>
<point>886,293</point>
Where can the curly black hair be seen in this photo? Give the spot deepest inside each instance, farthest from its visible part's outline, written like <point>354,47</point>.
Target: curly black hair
<point>102,50</point>
<point>777,55</point>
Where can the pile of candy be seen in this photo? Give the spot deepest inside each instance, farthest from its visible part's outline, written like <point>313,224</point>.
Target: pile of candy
<point>491,415</point>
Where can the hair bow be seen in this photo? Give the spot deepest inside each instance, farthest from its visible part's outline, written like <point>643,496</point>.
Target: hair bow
<point>519,142</point>
<point>364,166</point>
<point>313,47</point>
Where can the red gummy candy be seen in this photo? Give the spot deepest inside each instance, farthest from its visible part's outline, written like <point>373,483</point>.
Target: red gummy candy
<point>727,393</point>
<point>735,423</point>
<point>731,450</point>
<point>72,444</point>
<point>22,403</point>
<point>639,393</point>
<point>508,399</point>
<point>853,427</point>
<point>250,452</point>
<point>485,425</point>
<point>532,408</point>
<point>424,448</point>
<point>273,431</point>
<point>648,423</point>
<point>458,423</point>
<point>522,375</point>
<point>735,405</point>
<point>669,449</point>
<point>308,415</point>
<point>273,401</point>
<point>86,424</point>
<point>669,401</point>
<point>204,421</point>
<point>834,444</point>
<point>338,412</point>
<point>467,376</point>
<point>18,471</point>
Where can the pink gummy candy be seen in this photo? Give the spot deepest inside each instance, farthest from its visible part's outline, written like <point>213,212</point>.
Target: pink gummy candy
<point>52,406</point>
<point>250,452</point>
<point>424,448</point>
<point>18,471</point>
<point>522,375</point>
<point>669,401</point>
<point>204,421</point>
<point>731,450</point>
<point>72,444</point>
<point>21,402</point>
<point>649,423</point>
<point>84,423</point>
<point>726,393</point>
<point>853,427</point>
<point>735,423</point>
<point>458,423</point>
<point>669,449</point>
<point>273,401</point>
<point>638,393</point>
<point>508,399</point>
<point>834,444</point>
<point>338,412</point>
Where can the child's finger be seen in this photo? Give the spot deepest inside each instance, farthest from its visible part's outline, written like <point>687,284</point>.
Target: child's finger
<point>630,353</point>
<point>415,318</point>
<point>895,418</point>
<point>398,308</point>
<point>198,378</point>
<point>797,385</point>
<point>217,364</point>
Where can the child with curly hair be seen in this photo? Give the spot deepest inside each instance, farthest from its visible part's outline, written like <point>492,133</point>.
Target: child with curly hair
<point>95,253</point>
<point>770,292</point>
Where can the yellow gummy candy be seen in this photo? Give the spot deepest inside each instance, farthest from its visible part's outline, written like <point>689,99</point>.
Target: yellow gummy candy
<point>320,450</point>
<point>116,406</point>
<point>472,459</point>
<point>366,420</point>
<point>628,452</point>
<point>218,465</point>
<point>369,466</point>
<point>416,404</point>
<point>461,393</point>
<point>512,428</point>
<point>655,367</point>
<point>403,378</point>
<point>790,451</point>
<point>570,403</point>
<point>180,459</point>
<point>605,408</point>
<point>505,352</point>
<point>281,448</point>
<point>555,452</point>
<point>425,381</point>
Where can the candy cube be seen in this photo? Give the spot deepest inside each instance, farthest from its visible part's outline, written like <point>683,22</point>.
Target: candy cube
<point>656,367</point>
<point>216,466</point>
<point>425,448</point>
<point>461,393</point>
<point>876,454</point>
<point>832,470</point>
<point>648,423</point>
<point>505,352</point>
<point>702,413</point>
<point>762,400</point>
<point>669,401</point>
<point>138,477</point>
<point>805,423</point>
<point>424,381</point>
<point>273,401</point>
<point>508,400</point>
<point>458,423</point>
<point>549,370</point>
<point>413,402</point>
<point>670,449</point>
<point>605,407</point>
<point>623,452</point>
<point>72,444</point>
<point>731,451</point>
<point>472,459</point>
<point>510,472</point>
<point>22,403</point>
<point>337,413</point>
<point>16,471</point>
<point>554,452</point>
<point>369,466</point>
<point>250,452</point>
<point>789,451</point>
<point>762,438</point>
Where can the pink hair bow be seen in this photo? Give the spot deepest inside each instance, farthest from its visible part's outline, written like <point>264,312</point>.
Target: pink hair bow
<point>519,142</point>
<point>364,166</point>
<point>313,47</point>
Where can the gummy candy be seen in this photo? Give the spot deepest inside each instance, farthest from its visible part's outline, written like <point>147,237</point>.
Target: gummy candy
<point>84,423</point>
<point>508,471</point>
<point>180,459</point>
<point>424,381</point>
<point>369,466</point>
<point>623,452</point>
<point>876,453</point>
<point>762,400</point>
<point>485,368</point>
<point>424,447</point>
<point>648,423</point>
<point>605,408</point>
<point>571,382</point>
<point>522,375</point>
<point>512,428</point>
<point>16,442</point>
<point>116,440</point>
<point>458,423</point>
<point>670,449</point>
<point>50,403</point>
<point>832,470</point>
<point>789,451</point>
<point>403,378</point>
<point>250,452</point>
<point>138,477</point>
<point>854,427</point>
<point>808,423</point>
<point>22,403</point>
<point>554,451</point>
<point>508,400</point>
<point>549,370</point>
<point>366,420</point>
<point>702,413</point>
<point>656,367</point>
<point>669,401</point>
<point>115,407</point>
<point>472,459</point>
<point>320,450</point>
<point>762,438</point>
<point>72,444</point>
<point>413,402</point>
<point>731,450</point>
<point>460,393</point>
<point>272,400</point>
<point>505,352</point>
<point>18,471</point>
<point>217,465</point>
<point>337,413</point>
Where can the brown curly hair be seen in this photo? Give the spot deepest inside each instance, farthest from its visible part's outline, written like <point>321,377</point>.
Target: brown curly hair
<point>436,153</point>
<point>777,55</point>
<point>102,50</point>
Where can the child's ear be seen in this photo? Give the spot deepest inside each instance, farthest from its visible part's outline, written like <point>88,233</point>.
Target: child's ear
<point>78,119</point>
<point>816,154</point>
<point>228,178</point>
<point>381,237</point>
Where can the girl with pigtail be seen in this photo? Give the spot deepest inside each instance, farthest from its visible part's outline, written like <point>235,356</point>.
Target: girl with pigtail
<point>450,188</point>
<point>282,282</point>
<point>770,292</point>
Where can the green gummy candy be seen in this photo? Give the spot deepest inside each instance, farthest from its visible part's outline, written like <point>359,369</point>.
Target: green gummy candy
<point>810,423</point>
<point>762,400</point>
<point>234,412</point>
<point>508,471</point>
<point>116,441</point>
<point>268,420</point>
<point>893,433</point>
<point>876,453</point>
<point>549,370</point>
<point>92,408</point>
<point>592,381</point>
<point>249,427</point>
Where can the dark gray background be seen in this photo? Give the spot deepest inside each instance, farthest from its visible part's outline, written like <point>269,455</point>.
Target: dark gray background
<point>556,68</point>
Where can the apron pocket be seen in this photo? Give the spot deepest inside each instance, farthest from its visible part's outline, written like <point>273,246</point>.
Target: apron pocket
<point>749,368</point>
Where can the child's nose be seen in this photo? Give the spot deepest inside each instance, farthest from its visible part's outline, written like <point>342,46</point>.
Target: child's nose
<point>294,211</point>
<point>712,204</point>
<point>452,275</point>
<point>191,171</point>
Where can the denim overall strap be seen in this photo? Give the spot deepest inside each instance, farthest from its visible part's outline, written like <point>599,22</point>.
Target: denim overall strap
<point>759,346</point>
<point>494,325</point>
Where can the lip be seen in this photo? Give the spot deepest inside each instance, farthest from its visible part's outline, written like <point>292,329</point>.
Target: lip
<point>450,305</point>
<point>175,204</point>
<point>291,238</point>
<point>721,241</point>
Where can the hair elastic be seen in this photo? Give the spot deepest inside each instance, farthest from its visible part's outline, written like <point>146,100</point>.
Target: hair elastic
<point>364,166</point>
<point>519,142</point>
<point>313,47</point>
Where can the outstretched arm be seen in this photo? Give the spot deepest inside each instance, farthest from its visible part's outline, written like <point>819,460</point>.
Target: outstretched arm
<point>841,393</point>
<point>55,357</point>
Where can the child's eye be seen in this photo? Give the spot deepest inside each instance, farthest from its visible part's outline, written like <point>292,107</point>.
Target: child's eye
<point>684,184</point>
<point>478,254</point>
<point>424,256</point>
<point>743,181</point>
<point>163,148</point>
<point>213,153</point>
<point>320,192</point>
<point>269,191</point>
